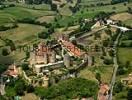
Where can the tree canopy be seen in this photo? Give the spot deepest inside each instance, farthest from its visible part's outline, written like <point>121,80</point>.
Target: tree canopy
<point>71,88</point>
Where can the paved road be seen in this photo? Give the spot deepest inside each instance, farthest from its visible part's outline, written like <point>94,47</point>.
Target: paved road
<point>115,67</point>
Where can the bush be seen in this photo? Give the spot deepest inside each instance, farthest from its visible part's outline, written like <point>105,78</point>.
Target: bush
<point>27,20</point>
<point>30,89</point>
<point>43,35</point>
<point>5,52</point>
<point>25,67</point>
<point>11,5</point>
<point>108,61</point>
<point>4,28</point>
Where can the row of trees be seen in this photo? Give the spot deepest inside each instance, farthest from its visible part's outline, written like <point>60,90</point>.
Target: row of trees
<point>118,1</point>
<point>4,27</point>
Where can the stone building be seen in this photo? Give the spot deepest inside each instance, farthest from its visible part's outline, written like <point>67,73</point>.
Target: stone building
<point>41,56</point>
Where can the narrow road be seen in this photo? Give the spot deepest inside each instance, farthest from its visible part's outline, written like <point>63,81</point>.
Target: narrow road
<point>115,65</point>
<point>90,33</point>
<point>2,86</point>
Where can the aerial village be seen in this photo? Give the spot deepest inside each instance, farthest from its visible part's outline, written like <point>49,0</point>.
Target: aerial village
<point>90,51</point>
<point>51,63</point>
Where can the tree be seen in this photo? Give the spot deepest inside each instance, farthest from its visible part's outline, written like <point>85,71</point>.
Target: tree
<point>121,70</point>
<point>20,87</point>
<point>30,89</point>
<point>129,94</point>
<point>127,64</point>
<point>70,88</point>
<point>98,76</point>
<point>111,53</point>
<point>11,44</point>
<point>43,35</point>
<point>25,67</point>
<point>54,7</point>
<point>3,68</point>
<point>118,87</point>
<point>5,52</point>
<point>108,61</point>
<point>129,9</point>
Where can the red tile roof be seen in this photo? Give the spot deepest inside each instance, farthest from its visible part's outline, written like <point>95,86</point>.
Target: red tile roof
<point>103,92</point>
<point>71,48</point>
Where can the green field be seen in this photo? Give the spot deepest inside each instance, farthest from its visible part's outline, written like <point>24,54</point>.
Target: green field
<point>23,34</point>
<point>125,54</point>
<point>13,13</point>
<point>128,22</point>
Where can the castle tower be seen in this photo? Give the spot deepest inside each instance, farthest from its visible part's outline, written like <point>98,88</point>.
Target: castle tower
<point>45,81</point>
<point>52,57</point>
<point>67,60</point>
<point>45,58</point>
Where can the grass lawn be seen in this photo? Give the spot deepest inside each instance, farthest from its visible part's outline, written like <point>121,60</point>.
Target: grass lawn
<point>105,71</point>
<point>23,34</point>
<point>128,22</point>
<point>125,54</point>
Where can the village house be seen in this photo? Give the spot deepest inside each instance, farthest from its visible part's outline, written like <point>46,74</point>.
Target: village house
<point>127,80</point>
<point>11,71</point>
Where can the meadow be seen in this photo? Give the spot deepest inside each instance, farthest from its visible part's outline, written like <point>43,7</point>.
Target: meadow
<point>125,55</point>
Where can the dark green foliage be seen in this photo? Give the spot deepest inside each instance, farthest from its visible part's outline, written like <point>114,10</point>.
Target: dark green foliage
<point>129,94</point>
<point>130,10</point>
<point>25,67</point>
<point>43,35</point>
<point>30,89</point>
<point>3,68</point>
<point>118,87</point>
<point>111,53</point>
<point>5,52</point>
<point>27,20</point>
<point>54,7</point>
<point>118,1</point>
<point>102,15</point>
<point>38,1</point>
<point>121,70</point>
<point>98,76</point>
<point>2,98</point>
<point>70,88</point>
<point>108,61</point>
<point>10,43</point>
<point>4,28</point>
<point>20,87</point>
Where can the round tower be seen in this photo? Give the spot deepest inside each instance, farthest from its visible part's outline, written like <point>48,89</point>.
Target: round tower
<point>67,60</point>
<point>53,57</point>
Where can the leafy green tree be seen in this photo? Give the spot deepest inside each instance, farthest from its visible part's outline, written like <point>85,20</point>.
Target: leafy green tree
<point>30,89</point>
<point>5,52</point>
<point>20,87</point>
<point>98,76</point>
<point>118,87</point>
<point>3,68</point>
